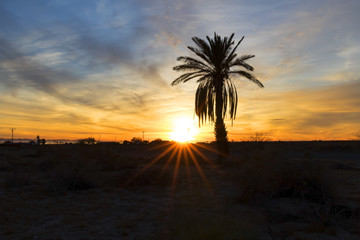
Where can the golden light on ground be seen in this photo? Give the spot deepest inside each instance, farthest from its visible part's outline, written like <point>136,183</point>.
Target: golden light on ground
<point>175,155</point>
<point>184,130</point>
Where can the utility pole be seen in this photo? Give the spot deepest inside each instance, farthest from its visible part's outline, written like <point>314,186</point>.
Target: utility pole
<point>12,134</point>
<point>143,135</point>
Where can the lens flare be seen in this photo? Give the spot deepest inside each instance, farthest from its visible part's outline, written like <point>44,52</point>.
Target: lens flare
<point>184,130</point>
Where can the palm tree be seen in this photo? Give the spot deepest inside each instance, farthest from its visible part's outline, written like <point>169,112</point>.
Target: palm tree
<point>214,68</point>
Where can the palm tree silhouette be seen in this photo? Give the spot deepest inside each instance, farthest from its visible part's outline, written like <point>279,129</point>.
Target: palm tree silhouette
<point>214,68</point>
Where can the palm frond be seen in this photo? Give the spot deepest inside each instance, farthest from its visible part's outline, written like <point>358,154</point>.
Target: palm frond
<point>228,42</point>
<point>233,99</point>
<point>224,101</point>
<point>203,46</point>
<point>204,102</point>
<point>246,57</point>
<point>218,51</point>
<point>190,60</point>
<point>249,76</point>
<point>190,67</point>
<point>204,78</point>
<point>241,64</point>
<point>227,62</point>
<point>186,77</point>
<point>201,55</point>
<point>233,51</point>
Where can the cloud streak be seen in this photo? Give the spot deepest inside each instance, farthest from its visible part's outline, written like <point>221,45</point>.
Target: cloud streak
<point>105,66</point>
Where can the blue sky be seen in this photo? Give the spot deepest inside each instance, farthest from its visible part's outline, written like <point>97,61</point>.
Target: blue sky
<point>71,69</point>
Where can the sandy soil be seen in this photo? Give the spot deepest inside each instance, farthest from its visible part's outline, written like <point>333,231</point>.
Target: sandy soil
<point>204,201</point>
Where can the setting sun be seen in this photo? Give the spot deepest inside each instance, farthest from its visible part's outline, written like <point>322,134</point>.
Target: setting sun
<point>184,130</point>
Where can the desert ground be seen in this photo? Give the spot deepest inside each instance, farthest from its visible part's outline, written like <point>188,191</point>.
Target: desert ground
<point>263,190</point>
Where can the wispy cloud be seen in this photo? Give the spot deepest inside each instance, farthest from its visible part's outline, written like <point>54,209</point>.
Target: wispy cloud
<point>305,113</point>
<point>105,66</point>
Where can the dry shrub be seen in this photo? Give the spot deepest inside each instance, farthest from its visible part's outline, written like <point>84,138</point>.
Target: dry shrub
<point>15,180</point>
<point>5,165</point>
<point>117,162</point>
<point>153,176</point>
<point>209,227</point>
<point>193,221</point>
<point>285,178</point>
<point>64,178</point>
<point>15,171</point>
<point>14,159</point>
<point>71,172</point>
<point>309,181</point>
<point>108,158</point>
<point>91,166</point>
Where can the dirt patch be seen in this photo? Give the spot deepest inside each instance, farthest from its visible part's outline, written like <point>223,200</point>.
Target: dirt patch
<point>132,193</point>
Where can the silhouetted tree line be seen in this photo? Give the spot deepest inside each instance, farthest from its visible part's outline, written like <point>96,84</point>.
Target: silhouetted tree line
<point>87,141</point>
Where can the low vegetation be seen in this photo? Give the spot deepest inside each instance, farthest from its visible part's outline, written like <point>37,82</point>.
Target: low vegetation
<point>88,141</point>
<point>357,135</point>
<point>285,188</point>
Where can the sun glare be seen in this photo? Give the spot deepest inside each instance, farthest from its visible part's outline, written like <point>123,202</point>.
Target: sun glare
<point>184,130</point>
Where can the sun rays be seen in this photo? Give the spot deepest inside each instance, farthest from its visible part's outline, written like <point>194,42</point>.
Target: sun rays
<point>183,161</point>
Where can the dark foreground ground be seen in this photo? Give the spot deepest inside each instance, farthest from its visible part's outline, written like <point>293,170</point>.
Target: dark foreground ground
<point>301,190</point>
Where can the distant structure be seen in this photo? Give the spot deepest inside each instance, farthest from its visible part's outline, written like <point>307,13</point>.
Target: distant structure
<point>12,134</point>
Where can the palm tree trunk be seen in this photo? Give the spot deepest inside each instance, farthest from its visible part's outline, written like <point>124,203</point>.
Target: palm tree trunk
<point>221,139</point>
<point>220,129</point>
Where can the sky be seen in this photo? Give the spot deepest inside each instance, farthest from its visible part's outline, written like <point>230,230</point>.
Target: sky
<point>72,69</point>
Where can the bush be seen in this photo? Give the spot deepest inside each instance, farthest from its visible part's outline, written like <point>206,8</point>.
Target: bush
<point>136,140</point>
<point>7,143</point>
<point>72,176</point>
<point>193,226</point>
<point>40,141</point>
<point>284,178</point>
<point>357,135</point>
<point>16,180</point>
<point>150,177</point>
<point>88,141</point>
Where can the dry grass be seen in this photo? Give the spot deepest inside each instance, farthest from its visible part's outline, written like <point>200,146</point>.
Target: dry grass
<point>192,226</point>
<point>302,190</point>
<point>61,168</point>
<point>293,195</point>
<point>268,174</point>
